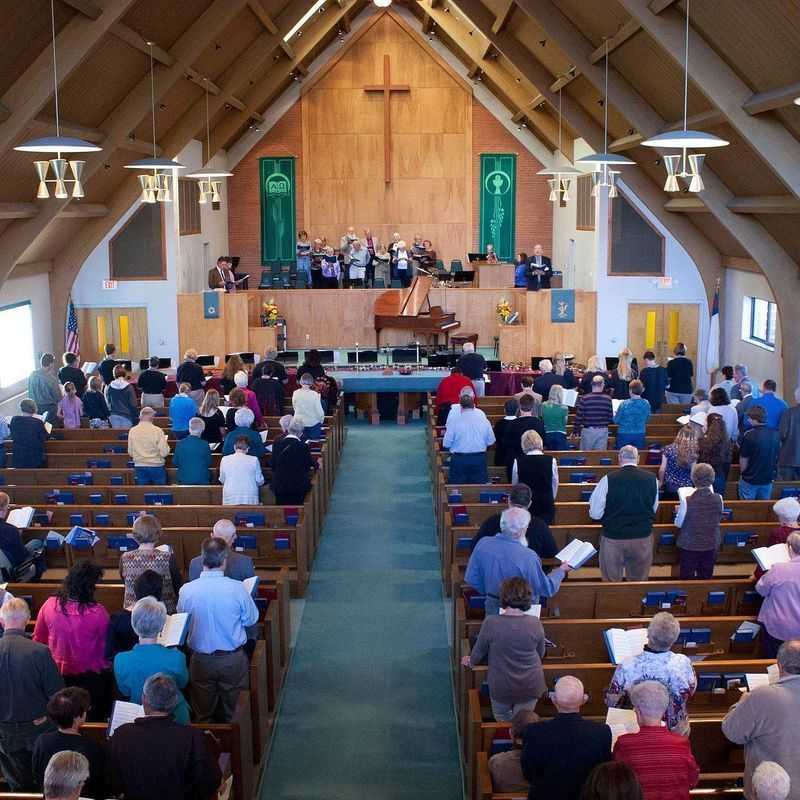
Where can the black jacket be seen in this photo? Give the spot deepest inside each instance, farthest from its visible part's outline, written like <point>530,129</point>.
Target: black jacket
<point>28,435</point>
<point>151,381</point>
<point>192,373</point>
<point>291,462</point>
<point>67,374</point>
<point>513,436</point>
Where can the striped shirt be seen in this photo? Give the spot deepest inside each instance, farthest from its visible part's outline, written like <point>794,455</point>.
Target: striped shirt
<point>594,411</point>
<point>663,762</point>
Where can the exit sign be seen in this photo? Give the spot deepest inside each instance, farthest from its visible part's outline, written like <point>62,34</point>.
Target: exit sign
<point>109,284</point>
<point>665,282</point>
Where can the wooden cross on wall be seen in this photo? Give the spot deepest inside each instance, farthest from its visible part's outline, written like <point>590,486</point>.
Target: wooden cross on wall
<point>386,90</point>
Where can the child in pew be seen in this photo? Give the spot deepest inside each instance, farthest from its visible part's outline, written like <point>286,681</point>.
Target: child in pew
<point>699,515</point>
<point>94,404</point>
<point>70,407</point>
<point>506,768</point>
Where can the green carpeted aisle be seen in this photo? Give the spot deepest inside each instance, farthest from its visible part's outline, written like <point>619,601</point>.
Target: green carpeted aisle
<point>367,709</point>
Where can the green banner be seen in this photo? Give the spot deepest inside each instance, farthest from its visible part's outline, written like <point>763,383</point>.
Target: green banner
<point>278,238</point>
<point>498,203</point>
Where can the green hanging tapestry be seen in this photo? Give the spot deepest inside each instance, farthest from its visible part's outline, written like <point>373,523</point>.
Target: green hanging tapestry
<point>278,239</point>
<point>498,203</point>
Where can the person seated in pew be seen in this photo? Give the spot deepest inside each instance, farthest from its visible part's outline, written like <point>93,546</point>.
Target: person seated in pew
<point>95,408</point>
<point>765,722</point>
<point>148,449</point>
<point>30,679</point>
<point>28,436</point>
<point>123,407</point>
<point>631,417</point>
<point>242,426</point>
<point>780,612</point>
<point>120,636</point>
<point>662,760</point>
<point>528,420</point>
<point>513,642</point>
<point>511,408</point>
<point>507,555</point>
<point>193,456</point>
<point>448,391</point>
<point>70,407</point>
<point>152,383</point>
<point>155,756</point>
<point>149,555</point>
<point>72,373</point>
<point>559,753</point>
<point>593,415</point>
<point>540,472</point>
<point>654,378</point>
<point>74,626</point>
<point>658,663</point>
<point>307,405</point>
<point>506,768</point>
<point>181,409</point>
<point>148,657</point>
<point>241,476</point>
<point>18,553</point>
<point>65,776</point>
<point>538,535</point>
<point>526,381</point>
<point>612,780</point>
<point>68,710</point>
<point>213,421</point>
<point>291,466</point>
<point>467,437</point>
<point>221,609</point>
<point>268,390</point>
<point>714,448</point>
<point>771,782</point>
<point>237,566</point>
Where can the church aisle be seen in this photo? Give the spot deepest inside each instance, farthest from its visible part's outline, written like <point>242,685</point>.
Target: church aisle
<point>367,710</point>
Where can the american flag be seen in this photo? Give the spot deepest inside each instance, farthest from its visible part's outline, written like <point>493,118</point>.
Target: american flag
<point>71,340</point>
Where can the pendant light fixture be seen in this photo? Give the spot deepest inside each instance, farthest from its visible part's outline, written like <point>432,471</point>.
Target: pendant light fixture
<point>156,181</point>
<point>562,176</point>
<point>59,145</point>
<point>603,173</point>
<point>209,180</point>
<point>685,166</point>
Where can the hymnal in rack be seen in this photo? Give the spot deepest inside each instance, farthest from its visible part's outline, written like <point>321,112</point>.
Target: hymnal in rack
<point>623,644</point>
<point>577,553</point>
<point>767,557</point>
<point>123,713</point>
<point>173,633</point>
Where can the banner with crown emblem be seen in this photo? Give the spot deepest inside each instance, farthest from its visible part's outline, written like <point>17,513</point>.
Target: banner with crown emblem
<point>498,215</point>
<point>277,181</point>
<point>562,305</point>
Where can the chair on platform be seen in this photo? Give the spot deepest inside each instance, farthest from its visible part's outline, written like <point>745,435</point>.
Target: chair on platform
<point>266,279</point>
<point>439,265</point>
<point>396,284</point>
<point>456,265</point>
<point>379,283</point>
<point>300,281</point>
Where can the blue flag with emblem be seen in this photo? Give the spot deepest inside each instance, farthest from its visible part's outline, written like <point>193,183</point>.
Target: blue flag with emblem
<point>562,305</point>
<point>211,305</point>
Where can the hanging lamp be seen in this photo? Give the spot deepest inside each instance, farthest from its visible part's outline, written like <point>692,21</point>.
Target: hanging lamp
<point>156,181</point>
<point>562,176</point>
<point>684,165</point>
<point>59,145</point>
<point>209,180</point>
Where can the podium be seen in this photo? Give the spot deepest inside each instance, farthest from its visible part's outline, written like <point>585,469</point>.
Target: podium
<point>493,276</point>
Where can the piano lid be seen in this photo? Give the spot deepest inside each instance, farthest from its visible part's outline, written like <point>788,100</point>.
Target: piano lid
<point>405,302</point>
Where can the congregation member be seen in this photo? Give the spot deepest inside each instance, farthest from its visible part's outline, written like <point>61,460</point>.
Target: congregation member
<point>237,565</point>
<point>507,555</point>
<point>193,456</point>
<point>220,610</point>
<point>527,420</point>
<point>331,270</point>
<point>720,403</point>
<point>680,372</point>
<point>189,371</point>
<point>626,501</point>
<point>631,417</point>
<point>758,457</point>
<point>123,407</point>
<point>233,364</point>
<point>698,518</point>
<point>307,407</point>
<point>473,366</point>
<point>741,374</point>
<point>44,388</point>
<point>359,258</point>
<point>677,460</point>
<point>526,389</point>
<point>555,413</point>
<point>382,265</point>
<point>312,364</point>
<point>622,375</point>
<point>67,710</point>
<point>152,383</point>
<point>544,382</point>
<point>748,398</point>
<point>562,371</point>
<point>16,553</point>
<point>448,391</point>
<point>771,782</point>
<point>291,464</point>
<point>774,406</point>
<point>594,414</point>
<point>540,270</point>
<point>594,367</point>
<point>268,390</point>
<point>5,435</point>
<point>654,379</point>
<point>727,380</point>
<point>72,373</point>
<point>107,363</point>
<point>662,760</point>
<point>658,663</point>
<point>789,459</point>
<point>241,476</point>
<point>558,754</point>
<point>95,407</point>
<point>538,535</point>
<point>700,402</point>
<point>30,679</point>
<point>120,636</point>
<point>242,428</point>
<point>270,361</point>
<point>236,400</point>
<point>765,721</point>
<point>540,473</point>
<point>74,626</point>
<point>346,246</point>
<point>612,781</point>
<point>469,434</point>
<point>148,449</point>
<point>155,756</point>
<point>148,657</point>
<point>241,381</point>
<point>181,409</point>
<point>506,767</point>
<point>521,271</point>
<point>714,448</point>
<point>779,614</point>
<point>372,244</point>
<point>401,262</point>
<point>317,256</point>
<point>65,776</point>
<point>513,643</point>
<point>303,255</point>
<point>28,437</point>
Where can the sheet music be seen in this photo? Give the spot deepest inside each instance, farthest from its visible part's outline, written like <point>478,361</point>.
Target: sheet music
<point>172,634</point>
<point>570,397</point>
<point>21,517</point>
<point>621,721</point>
<point>533,611</point>
<point>123,713</point>
<point>225,789</point>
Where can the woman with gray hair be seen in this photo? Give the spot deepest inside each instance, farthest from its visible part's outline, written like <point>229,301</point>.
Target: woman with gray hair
<point>65,775</point>
<point>307,405</point>
<point>658,662</point>
<point>780,611</point>
<point>242,421</point>
<point>771,781</point>
<point>291,466</point>
<point>699,515</point>
<point>148,657</point>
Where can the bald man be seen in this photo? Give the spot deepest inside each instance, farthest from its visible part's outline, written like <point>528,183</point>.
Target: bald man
<point>238,566</point>
<point>558,754</point>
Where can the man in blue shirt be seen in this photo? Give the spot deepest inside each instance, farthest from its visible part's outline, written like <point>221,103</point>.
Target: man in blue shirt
<point>193,456</point>
<point>774,406</point>
<point>507,555</point>
<point>220,610</point>
<point>468,435</point>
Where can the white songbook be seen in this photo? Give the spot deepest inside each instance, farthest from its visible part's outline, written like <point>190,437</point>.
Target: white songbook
<point>623,644</point>
<point>123,713</point>
<point>173,634</point>
<point>570,397</point>
<point>769,556</point>
<point>576,553</point>
<point>21,517</point>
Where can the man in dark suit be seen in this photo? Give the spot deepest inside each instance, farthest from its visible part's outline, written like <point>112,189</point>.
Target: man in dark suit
<point>540,269</point>
<point>221,276</point>
<point>238,566</point>
<point>558,755</point>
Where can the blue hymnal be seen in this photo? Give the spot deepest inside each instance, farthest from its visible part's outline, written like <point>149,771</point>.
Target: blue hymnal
<point>76,519</point>
<point>737,538</point>
<point>246,542</point>
<point>790,491</point>
<point>96,499</point>
<point>291,516</point>
<point>116,480</point>
<point>461,518</point>
<point>654,598</point>
<point>249,520</point>
<point>102,520</point>
<point>667,540</point>
<point>586,495</point>
<point>716,598</point>
<point>122,543</point>
<point>605,461</point>
<point>120,499</point>
<point>463,543</point>
<point>158,499</point>
<point>708,681</point>
<point>700,635</point>
<point>41,518</point>
<point>61,498</point>
<point>122,437</point>
<point>727,514</point>
<point>98,463</point>
<point>476,601</point>
<point>281,543</point>
<point>129,464</point>
<point>81,538</point>
<point>492,497</point>
<point>454,496</point>
<point>113,449</point>
<point>751,597</point>
<point>133,516</point>
<point>502,741</point>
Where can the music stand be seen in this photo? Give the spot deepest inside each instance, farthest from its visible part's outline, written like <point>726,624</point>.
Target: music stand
<point>205,361</point>
<point>362,357</point>
<point>612,362</point>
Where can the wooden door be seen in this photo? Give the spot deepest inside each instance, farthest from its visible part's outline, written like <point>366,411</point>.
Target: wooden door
<point>125,327</point>
<point>660,326</point>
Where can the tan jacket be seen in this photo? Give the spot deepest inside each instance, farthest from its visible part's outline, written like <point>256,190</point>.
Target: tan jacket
<point>147,445</point>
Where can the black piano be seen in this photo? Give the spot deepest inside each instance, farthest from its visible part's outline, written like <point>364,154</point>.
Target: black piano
<point>410,309</point>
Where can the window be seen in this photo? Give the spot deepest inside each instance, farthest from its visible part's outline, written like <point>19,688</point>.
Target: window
<point>585,203</point>
<point>759,321</point>
<point>16,325</point>
<point>189,191</point>
<point>636,247</point>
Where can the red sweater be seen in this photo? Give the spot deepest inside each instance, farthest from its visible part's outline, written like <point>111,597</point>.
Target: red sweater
<point>663,762</point>
<point>450,387</point>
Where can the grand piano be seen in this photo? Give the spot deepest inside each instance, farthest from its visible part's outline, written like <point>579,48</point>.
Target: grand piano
<point>410,309</point>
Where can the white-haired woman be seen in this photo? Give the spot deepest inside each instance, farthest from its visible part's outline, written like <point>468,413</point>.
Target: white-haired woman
<point>241,379</point>
<point>307,405</point>
<point>402,264</point>
<point>780,611</point>
<point>241,476</point>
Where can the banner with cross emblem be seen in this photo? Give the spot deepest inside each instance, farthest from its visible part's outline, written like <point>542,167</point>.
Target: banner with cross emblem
<point>278,236</point>
<point>498,215</point>
<point>211,301</point>
<point>562,305</point>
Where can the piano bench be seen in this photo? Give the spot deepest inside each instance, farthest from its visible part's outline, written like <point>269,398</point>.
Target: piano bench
<point>459,339</point>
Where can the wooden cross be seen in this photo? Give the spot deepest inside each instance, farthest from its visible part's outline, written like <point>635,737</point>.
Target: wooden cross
<point>386,89</point>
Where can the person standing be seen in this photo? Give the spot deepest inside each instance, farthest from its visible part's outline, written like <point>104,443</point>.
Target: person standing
<point>741,374</point>
<point>303,255</point>
<point>595,413</point>
<point>291,464</point>
<point>515,430</point>
<point>181,409</point>
<point>654,379</point>
<point>626,501</point>
<point>241,476</point>
<point>780,611</point>
<point>346,249</point>
<point>107,364</point>
<point>714,448</point>
<point>469,434</point>
<point>758,457</point>
<point>44,388</point>
<point>698,517</point>
<point>237,565</point>
<point>359,259</point>
<point>123,407</point>
<point>473,366</point>
<point>677,460</point>
<point>539,472</point>
<point>680,371</point>
<point>193,456</point>
<point>774,406</point>
<point>331,269</point>
<point>540,270</point>
<point>372,245</point>
<point>307,407</point>
<point>221,276</point>
<point>71,372</point>
<point>189,371</point>
<point>631,417</point>
<point>28,437</point>
<point>152,383</point>
<point>148,449</point>
<point>554,418</point>
<point>448,391</point>
<point>70,407</point>
<point>789,459</point>
<point>402,264</point>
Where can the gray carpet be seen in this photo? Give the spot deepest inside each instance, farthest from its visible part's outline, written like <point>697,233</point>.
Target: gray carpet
<point>367,710</point>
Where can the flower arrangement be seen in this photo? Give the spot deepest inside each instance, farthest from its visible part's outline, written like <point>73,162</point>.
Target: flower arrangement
<point>269,313</point>
<point>503,310</point>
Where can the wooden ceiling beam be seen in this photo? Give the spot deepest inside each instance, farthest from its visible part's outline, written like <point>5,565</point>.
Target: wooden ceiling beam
<point>707,119</point>
<point>88,8</point>
<point>625,143</point>
<point>31,268</point>
<point>257,7</point>
<point>773,98</point>
<point>657,6</point>
<point>686,205</point>
<point>741,264</point>
<point>766,204</point>
<point>766,136</point>
<point>564,80</point>
<point>73,211</point>
<point>504,15</point>
<point>630,28</point>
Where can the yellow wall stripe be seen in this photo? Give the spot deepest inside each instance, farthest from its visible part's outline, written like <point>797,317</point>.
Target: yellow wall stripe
<point>124,335</point>
<point>674,326</point>
<point>101,333</point>
<point>650,331</point>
